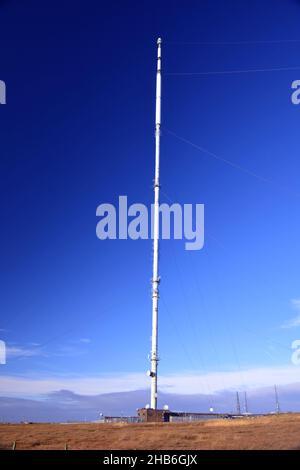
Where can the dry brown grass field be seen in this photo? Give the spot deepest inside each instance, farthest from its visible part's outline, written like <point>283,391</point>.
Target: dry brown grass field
<point>270,432</point>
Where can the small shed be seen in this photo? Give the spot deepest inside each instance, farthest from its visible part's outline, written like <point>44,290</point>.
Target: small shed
<point>148,415</point>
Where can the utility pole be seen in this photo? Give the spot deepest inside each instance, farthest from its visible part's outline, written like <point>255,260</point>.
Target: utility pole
<point>276,400</point>
<point>238,405</point>
<point>156,278</point>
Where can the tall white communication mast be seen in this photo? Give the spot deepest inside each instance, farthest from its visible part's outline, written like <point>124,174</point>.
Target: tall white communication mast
<point>155,278</point>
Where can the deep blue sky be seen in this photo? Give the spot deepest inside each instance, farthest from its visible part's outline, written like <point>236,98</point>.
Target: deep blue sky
<point>78,130</point>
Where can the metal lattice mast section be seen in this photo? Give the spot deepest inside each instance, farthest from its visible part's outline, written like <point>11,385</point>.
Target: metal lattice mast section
<point>155,278</point>
<point>238,405</point>
<point>246,402</point>
<point>276,400</point>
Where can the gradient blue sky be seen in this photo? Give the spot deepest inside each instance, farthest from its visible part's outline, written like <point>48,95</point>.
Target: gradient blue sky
<point>78,130</point>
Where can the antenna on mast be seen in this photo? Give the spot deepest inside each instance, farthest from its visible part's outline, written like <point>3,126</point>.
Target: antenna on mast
<point>155,278</point>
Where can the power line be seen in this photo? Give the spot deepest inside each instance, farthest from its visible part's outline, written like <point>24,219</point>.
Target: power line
<point>231,72</point>
<point>168,310</point>
<point>232,164</point>
<point>207,317</point>
<point>217,157</point>
<point>208,234</point>
<point>193,327</point>
<point>232,43</point>
<point>242,378</point>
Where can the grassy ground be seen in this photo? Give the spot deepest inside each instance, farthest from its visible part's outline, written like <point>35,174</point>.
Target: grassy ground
<point>272,432</point>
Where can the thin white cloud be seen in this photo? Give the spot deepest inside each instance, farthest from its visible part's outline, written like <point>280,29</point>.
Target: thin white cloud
<point>16,351</point>
<point>85,340</point>
<point>71,350</point>
<point>292,323</point>
<point>20,351</point>
<point>181,383</point>
<point>296,303</point>
<point>295,321</point>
